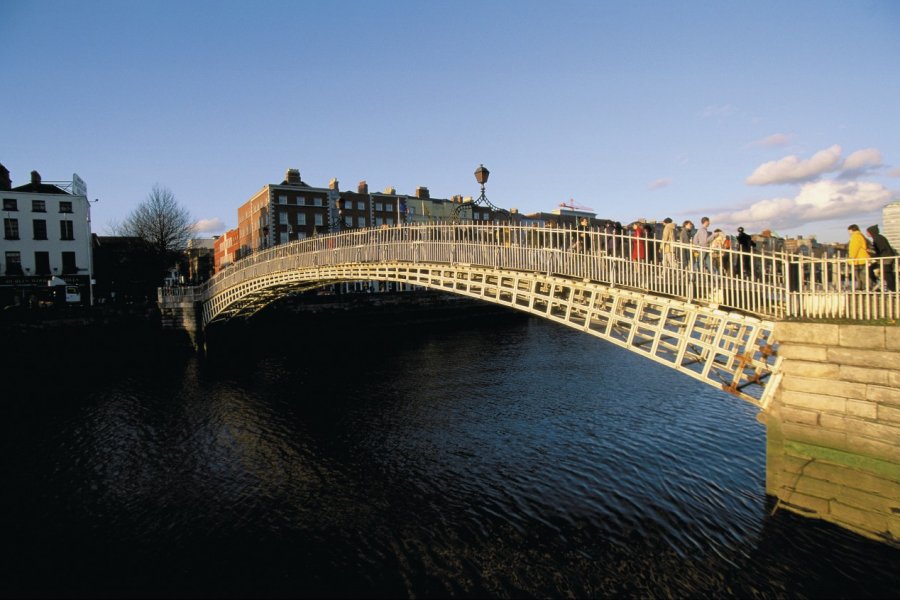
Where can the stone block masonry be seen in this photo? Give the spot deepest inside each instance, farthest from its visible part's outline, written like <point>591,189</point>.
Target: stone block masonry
<point>833,426</point>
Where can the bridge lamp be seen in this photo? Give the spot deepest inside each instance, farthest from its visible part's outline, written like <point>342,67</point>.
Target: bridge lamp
<point>481,176</point>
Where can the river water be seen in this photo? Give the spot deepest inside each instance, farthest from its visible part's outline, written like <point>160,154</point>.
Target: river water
<point>483,456</point>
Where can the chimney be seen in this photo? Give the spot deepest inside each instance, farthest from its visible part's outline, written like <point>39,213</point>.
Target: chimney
<point>390,190</point>
<point>333,184</point>
<point>422,193</point>
<point>292,176</point>
<point>363,187</point>
<point>5,181</point>
<point>35,178</point>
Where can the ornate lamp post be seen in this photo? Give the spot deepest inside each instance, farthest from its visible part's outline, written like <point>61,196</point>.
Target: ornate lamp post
<point>481,176</point>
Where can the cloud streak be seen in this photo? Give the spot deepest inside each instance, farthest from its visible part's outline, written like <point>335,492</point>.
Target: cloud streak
<point>660,183</point>
<point>775,140</point>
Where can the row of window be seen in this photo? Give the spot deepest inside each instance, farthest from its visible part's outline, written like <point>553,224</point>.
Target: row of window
<point>39,229</point>
<point>10,204</point>
<point>41,263</point>
<point>301,201</point>
<point>301,219</point>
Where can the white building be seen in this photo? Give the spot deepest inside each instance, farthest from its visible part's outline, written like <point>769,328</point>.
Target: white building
<point>46,234</point>
<point>891,219</point>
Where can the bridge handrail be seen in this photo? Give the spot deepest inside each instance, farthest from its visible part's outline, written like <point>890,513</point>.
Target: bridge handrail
<point>764,283</point>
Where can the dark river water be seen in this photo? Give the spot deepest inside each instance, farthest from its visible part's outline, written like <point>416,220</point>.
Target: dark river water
<point>485,456</point>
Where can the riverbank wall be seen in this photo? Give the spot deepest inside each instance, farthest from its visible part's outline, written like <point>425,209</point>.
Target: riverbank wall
<point>833,426</point>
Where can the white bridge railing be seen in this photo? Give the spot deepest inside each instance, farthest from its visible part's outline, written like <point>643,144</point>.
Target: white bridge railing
<point>769,285</point>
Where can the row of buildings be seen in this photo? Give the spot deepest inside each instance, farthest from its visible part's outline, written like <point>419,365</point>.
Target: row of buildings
<point>49,250</point>
<point>293,210</point>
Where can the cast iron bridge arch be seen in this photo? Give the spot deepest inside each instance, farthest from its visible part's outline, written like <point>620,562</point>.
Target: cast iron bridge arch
<point>713,325</point>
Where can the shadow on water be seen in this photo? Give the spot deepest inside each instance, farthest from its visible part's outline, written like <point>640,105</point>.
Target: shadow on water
<point>338,455</point>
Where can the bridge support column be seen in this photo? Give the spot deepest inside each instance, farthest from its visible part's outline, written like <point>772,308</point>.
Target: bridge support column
<point>182,311</point>
<point>833,426</point>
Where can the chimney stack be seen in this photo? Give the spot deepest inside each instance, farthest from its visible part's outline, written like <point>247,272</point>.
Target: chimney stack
<point>422,193</point>
<point>363,187</point>
<point>292,176</point>
<point>333,184</point>
<point>5,181</point>
<point>35,178</point>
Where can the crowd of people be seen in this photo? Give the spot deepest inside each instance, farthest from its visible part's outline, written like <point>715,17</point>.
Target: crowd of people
<point>703,250</point>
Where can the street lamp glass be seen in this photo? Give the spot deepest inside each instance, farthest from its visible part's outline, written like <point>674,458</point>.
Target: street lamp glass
<point>481,175</point>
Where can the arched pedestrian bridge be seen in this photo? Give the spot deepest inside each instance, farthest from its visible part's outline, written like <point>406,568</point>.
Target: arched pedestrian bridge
<point>709,315</point>
<point>809,341</point>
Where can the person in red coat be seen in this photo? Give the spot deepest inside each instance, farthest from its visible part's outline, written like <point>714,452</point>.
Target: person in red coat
<point>638,243</point>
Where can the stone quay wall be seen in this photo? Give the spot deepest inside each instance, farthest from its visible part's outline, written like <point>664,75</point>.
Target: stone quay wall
<point>833,426</point>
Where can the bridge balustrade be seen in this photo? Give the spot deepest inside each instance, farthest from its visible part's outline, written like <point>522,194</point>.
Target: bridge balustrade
<point>770,285</point>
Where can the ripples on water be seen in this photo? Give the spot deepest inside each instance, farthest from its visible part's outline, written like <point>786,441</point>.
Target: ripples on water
<point>501,457</point>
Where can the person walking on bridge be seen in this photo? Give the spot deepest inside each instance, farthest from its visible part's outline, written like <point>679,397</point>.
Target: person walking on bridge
<point>684,237</point>
<point>857,252</point>
<point>745,244</point>
<point>884,251</point>
<point>668,243</point>
<point>702,238</point>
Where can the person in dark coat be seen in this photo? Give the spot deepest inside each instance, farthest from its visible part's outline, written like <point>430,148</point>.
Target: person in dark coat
<point>745,243</point>
<point>882,249</point>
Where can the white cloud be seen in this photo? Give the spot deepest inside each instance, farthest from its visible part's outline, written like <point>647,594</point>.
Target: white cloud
<point>817,201</point>
<point>214,225</point>
<point>791,169</point>
<point>894,172</point>
<point>775,140</point>
<point>659,183</point>
<point>863,159</point>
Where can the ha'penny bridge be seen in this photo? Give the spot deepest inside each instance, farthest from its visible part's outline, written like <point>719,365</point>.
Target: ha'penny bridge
<point>809,341</point>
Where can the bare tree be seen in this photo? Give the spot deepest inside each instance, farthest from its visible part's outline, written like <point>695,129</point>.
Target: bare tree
<point>161,222</point>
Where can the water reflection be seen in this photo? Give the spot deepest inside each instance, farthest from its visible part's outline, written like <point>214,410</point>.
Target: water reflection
<point>493,458</point>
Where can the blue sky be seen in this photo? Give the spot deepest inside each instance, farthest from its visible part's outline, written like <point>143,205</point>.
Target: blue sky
<point>780,115</point>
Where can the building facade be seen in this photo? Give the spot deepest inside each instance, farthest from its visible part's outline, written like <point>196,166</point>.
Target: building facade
<point>891,219</point>
<point>46,242</point>
<point>284,212</point>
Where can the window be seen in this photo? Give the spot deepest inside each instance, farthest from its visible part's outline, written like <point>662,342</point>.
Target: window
<point>360,221</point>
<point>317,202</point>
<point>65,206</point>
<point>377,221</point>
<point>10,204</point>
<point>319,219</point>
<point>389,220</point>
<point>38,206</point>
<point>360,205</point>
<point>378,206</point>
<point>284,237</point>
<point>39,227</point>
<point>13,263</point>
<point>282,199</point>
<point>11,229</point>
<point>301,218</point>
<point>68,263</point>
<point>41,263</point>
<point>301,200</point>
<point>283,218</point>
<point>301,235</point>
<point>66,232</point>
<point>348,221</point>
